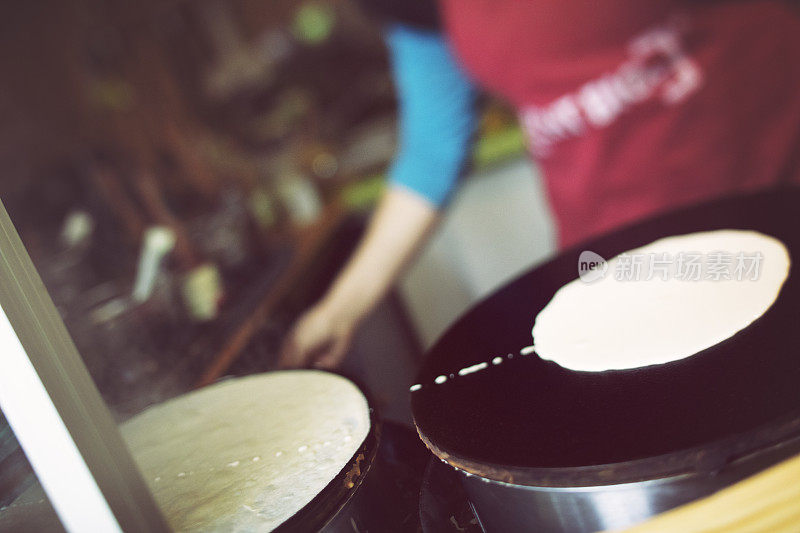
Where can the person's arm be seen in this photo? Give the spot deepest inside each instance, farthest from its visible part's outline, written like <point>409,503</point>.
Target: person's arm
<point>324,333</point>
<point>436,123</point>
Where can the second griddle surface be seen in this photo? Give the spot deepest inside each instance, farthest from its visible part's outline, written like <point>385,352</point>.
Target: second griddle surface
<point>531,413</point>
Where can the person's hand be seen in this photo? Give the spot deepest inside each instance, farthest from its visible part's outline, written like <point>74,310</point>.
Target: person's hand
<point>319,338</point>
<point>322,336</point>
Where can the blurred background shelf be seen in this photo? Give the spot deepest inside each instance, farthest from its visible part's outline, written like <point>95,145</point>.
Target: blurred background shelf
<point>257,136</point>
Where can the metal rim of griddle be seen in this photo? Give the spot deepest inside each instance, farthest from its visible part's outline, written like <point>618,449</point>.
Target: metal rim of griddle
<point>707,458</point>
<point>701,460</point>
<point>337,494</point>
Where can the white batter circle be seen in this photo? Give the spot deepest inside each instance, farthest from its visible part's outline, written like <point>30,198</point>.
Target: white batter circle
<point>619,322</point>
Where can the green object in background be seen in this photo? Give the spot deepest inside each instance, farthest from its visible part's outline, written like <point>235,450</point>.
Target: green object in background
<point>202,292</point>
<point>262,208</point>
<point>314,23</point>
<point>111,94</point>
<point>363,194</point>
<point>488,150</point>
<point>498,146</point>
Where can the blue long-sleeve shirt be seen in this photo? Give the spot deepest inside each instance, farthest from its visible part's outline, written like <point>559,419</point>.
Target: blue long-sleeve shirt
<point>437,116</point>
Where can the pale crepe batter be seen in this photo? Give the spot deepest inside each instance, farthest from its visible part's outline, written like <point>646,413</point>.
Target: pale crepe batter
<point>247,454</point>
<point>239,456</point>
<point>613,324</point>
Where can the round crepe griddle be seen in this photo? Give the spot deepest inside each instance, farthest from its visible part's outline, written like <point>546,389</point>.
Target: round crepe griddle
<point>176,435</point>
<point>533,422</point>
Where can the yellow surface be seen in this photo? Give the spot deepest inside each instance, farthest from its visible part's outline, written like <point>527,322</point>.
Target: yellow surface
<point>767,502</point>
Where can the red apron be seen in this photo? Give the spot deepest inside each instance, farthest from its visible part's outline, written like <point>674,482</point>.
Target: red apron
<point>635,107</point>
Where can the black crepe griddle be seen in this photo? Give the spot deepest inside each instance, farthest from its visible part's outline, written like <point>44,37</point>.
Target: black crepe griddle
<point>531,421</point>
